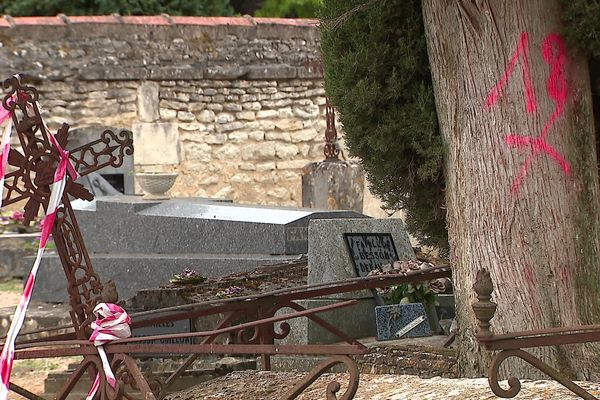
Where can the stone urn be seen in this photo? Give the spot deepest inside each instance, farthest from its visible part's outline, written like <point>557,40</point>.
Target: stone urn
<point>156,184</point>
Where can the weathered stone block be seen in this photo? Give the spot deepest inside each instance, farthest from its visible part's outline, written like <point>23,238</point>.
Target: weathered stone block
<point>259,151</point>
<point>206,116</point>
<point>215,107</point>
<point>276,71</point>
<point>266,125</point>
<point>232,107</point>
<point>256,135</point>
<point>240,178</point>
<point>159,143</point>
<point>285,112</point>
<point>217,138</point>
<point>224,118</point>
<point>247,167</point>
<point>252,106</point>
<point>304,135</point>
<point>288,124</point>
<point>192,127</point>
<point>285,151</point>
<point>174,105</point>
<point>337,185</point>
<point>227,152</point>
<point>282,136</point>
<point>246,115</point>
<point>267,114</point>
<point>198,151</point>
<point>185,116</point>
<point>231,126</point>
<point>168,114</point>
<point>306,112</point>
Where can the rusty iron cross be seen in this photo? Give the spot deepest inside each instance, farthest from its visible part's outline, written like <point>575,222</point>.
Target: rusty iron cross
<point>31,181</point>
<point>331,148</point>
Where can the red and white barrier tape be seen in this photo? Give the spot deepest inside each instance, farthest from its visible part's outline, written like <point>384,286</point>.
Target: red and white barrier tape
<point>5,146</point>
<point>56,192</point>
<point>112,323</point>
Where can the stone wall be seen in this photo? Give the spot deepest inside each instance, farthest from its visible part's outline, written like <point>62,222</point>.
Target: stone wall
<point>245,140</point>
<point>232,104</point>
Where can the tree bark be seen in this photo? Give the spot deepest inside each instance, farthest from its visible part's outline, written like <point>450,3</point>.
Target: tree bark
<point>514,106</point>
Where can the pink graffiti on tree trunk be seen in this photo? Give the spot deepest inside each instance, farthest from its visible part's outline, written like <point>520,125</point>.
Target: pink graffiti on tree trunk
<point>523,52</point>
<point>553,51</point>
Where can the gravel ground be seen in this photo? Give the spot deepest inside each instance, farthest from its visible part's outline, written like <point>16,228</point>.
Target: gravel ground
<point>260,385</point>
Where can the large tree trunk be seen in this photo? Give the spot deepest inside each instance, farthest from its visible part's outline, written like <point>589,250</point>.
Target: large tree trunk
<point>514,107</point>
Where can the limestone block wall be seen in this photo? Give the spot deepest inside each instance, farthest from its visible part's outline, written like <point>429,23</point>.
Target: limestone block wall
<point>232,104</point>
<point>239,139</point>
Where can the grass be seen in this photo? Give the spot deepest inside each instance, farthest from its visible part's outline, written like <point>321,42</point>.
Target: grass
<point>13,286</point>
<point>40,364</point>
<point>44,364</point>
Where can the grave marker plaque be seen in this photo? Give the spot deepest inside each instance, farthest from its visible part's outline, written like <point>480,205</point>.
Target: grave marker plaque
<point>370,250</point>
<point>165,328</point>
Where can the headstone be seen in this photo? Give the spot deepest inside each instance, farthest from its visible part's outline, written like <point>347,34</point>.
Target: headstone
<point>14,248</point>
<point>120,178</point>
<point>99,186</point>
<point>328,256</point>
<point>329,259</point>
<point>141,244</point>
<point>333,185</point>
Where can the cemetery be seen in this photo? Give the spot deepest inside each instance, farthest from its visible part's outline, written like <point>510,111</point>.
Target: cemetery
<point>301,236</point>
<point>191,207</point>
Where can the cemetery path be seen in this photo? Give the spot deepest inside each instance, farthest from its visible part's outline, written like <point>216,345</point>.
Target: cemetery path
<point>9,299</point>
<point>261,385</point>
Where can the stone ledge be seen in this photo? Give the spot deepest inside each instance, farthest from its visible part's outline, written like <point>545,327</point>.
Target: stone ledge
<point>164,19</point>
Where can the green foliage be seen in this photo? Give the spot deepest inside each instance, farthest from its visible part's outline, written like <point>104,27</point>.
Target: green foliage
<point>581,19</point>
<point>377,75</point>
<point>290,8</point>
<point>408,293</point>
<point>13,286</point>
<point>123,7</point>
<point>581,22</point>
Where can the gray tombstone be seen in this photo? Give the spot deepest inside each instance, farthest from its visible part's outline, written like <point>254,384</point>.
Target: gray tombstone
<point>141,244</point>
<point>329,259</point>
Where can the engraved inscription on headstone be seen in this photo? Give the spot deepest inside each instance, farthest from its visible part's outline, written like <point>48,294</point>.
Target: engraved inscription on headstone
<point>165,328</point>
<point>370,250</point>
<point>296,234</point>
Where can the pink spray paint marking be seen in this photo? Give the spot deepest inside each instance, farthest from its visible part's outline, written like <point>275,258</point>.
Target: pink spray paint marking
<point>522,51</point>
<point>553,51</point>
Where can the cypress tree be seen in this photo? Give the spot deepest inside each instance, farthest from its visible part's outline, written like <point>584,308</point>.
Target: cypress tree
<point>377,75</point>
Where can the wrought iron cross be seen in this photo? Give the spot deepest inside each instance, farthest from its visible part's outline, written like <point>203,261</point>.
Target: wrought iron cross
<point>331,148</point>
<point>31,182</point>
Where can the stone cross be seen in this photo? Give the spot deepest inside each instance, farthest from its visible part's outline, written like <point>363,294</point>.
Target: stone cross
<point>31,181</point>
